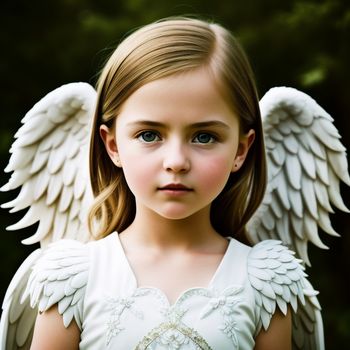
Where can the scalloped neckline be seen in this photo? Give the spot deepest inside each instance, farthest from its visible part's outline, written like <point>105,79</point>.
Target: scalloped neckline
<point>181,295</point>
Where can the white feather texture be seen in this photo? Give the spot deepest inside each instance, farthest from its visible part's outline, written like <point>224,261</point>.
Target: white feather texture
<point>49,162</point>
<point>60,277</point>
<point>306,162</point>
<point>279,280</point>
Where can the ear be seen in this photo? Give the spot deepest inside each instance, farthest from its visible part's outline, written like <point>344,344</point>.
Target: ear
<point>245,141</point>
<point>108,138</point>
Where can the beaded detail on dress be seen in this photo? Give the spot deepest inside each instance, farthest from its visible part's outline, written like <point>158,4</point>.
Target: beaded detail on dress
<point>172,336</point>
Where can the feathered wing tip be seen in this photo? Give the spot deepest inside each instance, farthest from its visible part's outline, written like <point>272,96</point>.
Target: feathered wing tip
<point>306,163</point>
<point>18,318</point>
<point>307,322</point>
<point>46,163</point>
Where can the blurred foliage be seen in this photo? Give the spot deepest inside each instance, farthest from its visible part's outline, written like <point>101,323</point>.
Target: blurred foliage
<point>299,43</point>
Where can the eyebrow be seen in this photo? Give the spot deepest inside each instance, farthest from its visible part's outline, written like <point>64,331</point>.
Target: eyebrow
<point>151,123</point>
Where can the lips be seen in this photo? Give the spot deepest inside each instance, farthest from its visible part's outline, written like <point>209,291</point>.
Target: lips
<point>175,187</point>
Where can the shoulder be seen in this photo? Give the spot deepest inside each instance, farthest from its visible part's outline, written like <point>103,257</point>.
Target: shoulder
<point>277,279</point>
<point>60,277</point>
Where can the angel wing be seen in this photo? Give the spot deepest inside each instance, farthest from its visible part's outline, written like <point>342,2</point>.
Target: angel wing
<point>49,161</point>
<point>306,162</point>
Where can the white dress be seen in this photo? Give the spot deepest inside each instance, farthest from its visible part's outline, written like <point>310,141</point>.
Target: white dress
<point>94,284</point>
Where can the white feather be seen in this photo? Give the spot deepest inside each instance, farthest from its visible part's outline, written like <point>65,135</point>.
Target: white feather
<point>322,197</point>
<point>24,198</point>
<point>293,172</point>
<point>56,159</point>
<point>66,199</point>
<point>325,138</point>
<point>334,192</point>
<point>291,144</point>
<point>41,185</point>
<point>22,159</point>
<point>325,223</point>
<point>19,177</point>
<point>54,189</point>
<point>307,161</point>
<point>69,172</point>
<point>59,226</point>
<point>338,162</point>
<point>296,202</point>
<point>40,159</point>
<point>308,194</point>
<point>282,192</point>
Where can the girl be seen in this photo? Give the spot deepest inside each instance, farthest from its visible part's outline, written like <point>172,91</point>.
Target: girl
<point>177,166</point>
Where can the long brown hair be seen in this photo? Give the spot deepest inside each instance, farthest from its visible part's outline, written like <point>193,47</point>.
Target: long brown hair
<point>160,49</point>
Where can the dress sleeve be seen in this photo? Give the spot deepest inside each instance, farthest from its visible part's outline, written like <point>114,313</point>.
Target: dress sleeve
<point>60,277</point>
<point>277,279</point>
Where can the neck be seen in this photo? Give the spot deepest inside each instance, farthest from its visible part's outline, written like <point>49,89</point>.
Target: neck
<point>151,229</point>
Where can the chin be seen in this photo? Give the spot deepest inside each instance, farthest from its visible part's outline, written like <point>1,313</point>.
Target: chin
<point>176,214</point>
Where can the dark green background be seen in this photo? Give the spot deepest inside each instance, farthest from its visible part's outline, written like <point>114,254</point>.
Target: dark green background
<point>304,44</point>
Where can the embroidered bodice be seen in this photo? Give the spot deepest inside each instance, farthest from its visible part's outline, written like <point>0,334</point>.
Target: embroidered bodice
<point>142,318</point>
<point>113,312</point>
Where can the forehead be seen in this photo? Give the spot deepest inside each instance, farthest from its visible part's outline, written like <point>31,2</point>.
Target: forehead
<point>191,96</point>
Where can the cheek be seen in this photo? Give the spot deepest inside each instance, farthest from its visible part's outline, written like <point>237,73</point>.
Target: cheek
<point>216,172</point>
<point>137,171</point>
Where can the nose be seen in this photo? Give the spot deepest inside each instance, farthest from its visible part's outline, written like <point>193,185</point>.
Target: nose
<point>176,158</point>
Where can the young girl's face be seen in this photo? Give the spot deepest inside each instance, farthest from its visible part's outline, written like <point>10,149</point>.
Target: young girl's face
<point>177,141</point>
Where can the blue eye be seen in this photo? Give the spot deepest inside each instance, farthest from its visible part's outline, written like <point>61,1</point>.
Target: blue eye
<point>204,138</point>
<point>148,136</point>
